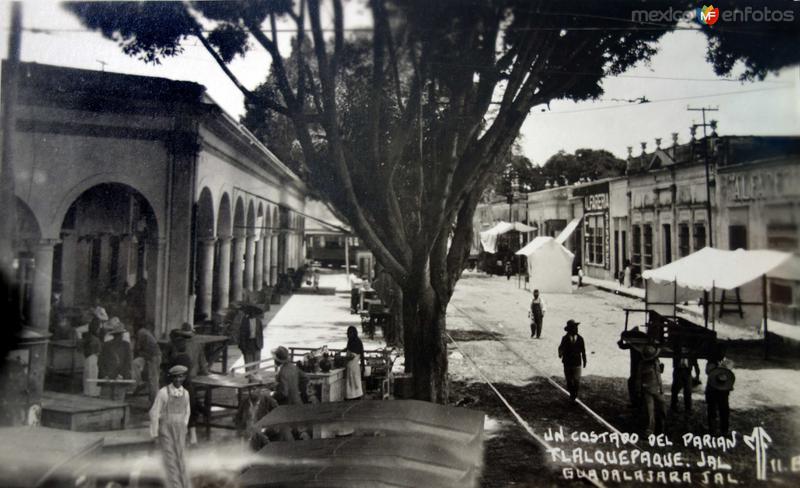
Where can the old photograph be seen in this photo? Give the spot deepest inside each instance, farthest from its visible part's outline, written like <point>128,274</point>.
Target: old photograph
<point>410,244</point>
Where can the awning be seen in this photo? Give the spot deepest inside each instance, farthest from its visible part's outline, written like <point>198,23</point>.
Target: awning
<point>725,270</point>
<point>568,230</point>
<point>489,237</point>
<point>539,243</point>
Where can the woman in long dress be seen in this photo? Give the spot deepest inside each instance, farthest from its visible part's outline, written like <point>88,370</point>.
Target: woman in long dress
<point>355,355</point>
<point>169,418</point>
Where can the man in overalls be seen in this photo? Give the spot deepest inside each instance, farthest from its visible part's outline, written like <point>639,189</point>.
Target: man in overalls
<point>169,418</point>
<point>538,308</point>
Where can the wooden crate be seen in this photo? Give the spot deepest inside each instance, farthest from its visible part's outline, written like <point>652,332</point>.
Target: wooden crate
<point>330,385</point>
<point>83,413</point>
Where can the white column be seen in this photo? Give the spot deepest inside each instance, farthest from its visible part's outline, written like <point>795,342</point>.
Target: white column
<point>206,281</point>
<point>259,264</point>
<point>236,273</point>
<point>249,258</point>
<point>42,284</point>
<point>224,273</point>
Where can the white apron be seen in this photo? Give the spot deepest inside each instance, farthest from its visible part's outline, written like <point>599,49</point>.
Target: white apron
<point>353,379</point>
<point>90,371</point>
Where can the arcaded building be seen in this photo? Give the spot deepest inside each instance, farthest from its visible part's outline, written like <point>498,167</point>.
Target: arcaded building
<point>138,190</point>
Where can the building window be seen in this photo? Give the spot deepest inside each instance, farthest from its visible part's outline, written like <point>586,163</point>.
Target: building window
<point>699,236</point>
<point>636,252</point>
<point>648,246</point>
<point>737,236</point>
<point>683,240</point>
<point>782,237</point>
<point>595,234</point>
<point>667,232</point>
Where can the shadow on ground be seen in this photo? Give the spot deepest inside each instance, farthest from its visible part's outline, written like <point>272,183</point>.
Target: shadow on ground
<point>460,335</point>
<point>749,354</point>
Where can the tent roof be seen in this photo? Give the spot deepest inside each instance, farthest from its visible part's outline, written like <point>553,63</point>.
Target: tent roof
<point>541,242</point>
<point>568,230</point>
<point>503,227</point>
<point>725,270</point>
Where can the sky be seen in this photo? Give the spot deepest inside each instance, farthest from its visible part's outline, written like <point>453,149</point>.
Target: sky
<point>677,77</point>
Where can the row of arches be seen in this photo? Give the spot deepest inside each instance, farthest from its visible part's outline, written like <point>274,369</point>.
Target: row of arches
<point>240,248</point>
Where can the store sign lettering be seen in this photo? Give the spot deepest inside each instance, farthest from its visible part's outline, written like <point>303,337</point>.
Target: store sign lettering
<point>764,185</point>
<point>596,202</point>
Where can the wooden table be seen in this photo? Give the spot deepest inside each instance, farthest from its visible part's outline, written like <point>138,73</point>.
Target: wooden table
<point>330,386</point>
<point>212,382</point>
<point>213,346</point>
<point>83,413</point>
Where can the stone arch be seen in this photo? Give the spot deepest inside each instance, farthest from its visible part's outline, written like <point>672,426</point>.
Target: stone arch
<point>239,219</point>
<point>204,223</point>
<point>110,252</point>
<point>224,227</point>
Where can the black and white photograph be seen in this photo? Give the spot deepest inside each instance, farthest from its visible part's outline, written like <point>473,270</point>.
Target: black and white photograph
<point>399,243</point>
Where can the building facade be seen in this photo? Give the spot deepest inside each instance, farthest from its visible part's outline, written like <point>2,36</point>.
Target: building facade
<point>138,191</point>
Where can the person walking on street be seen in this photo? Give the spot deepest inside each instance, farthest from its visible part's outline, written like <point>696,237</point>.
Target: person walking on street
<point>538,309</point>
<point>169,418</point>
<point>508,270</point>
<point>315,279</point>
<point>572,352</point>
<point>580,277</point>
<point>652,390</point>
<point>718,388</point>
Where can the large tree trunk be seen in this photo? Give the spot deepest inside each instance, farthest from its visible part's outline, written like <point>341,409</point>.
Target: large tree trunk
<point>424,327</point>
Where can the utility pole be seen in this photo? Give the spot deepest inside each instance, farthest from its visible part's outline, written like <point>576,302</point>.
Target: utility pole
<point>706,164</point>
<point>8,204</point>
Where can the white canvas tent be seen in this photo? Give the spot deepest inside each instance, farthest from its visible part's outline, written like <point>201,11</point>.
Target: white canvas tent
<point>549,265</point>
<point>489,237</point>
<point>736,279</point>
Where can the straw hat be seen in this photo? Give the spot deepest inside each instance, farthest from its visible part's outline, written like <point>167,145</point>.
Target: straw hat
<point>115,326</point>
<point>100,313</point>
<point>721,379</point>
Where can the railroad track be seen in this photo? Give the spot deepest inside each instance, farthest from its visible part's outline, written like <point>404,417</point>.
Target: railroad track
<point>539,439</point>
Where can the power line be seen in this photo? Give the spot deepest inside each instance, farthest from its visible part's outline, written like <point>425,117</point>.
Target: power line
<point>663,100</point>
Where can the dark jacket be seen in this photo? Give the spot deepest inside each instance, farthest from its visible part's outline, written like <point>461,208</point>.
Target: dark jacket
<point>572,353</point>
<point>115,360</point>
<point>288,390</point>
<point>245,342</point>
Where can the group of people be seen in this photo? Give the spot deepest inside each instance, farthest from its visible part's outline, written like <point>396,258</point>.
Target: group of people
<point>645,387</point>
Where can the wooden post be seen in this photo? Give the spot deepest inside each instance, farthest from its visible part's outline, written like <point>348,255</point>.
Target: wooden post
<point>713,306</point>
<point>675,299</point>
<point>347,260</point>
<point>765,312</point>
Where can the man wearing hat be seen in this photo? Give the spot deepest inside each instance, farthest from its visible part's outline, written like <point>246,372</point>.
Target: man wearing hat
<point>682,364</point>
<point>572,352</point>
<point>115,360</point>
<point>652,389</point>
<point>251,334</point>
<point>718,388</point>
<point>169,417</point>
<point>288,379</point>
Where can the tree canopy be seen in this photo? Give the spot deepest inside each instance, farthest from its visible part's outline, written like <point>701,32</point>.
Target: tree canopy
<point>401,125</point>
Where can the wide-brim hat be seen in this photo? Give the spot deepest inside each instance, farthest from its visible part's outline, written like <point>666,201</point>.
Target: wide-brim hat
<point>571,325</point>
<point>178,369</point>
<point>280,354</point>
<point>186,330</point>
<point>649,352</point>
<point>100,313</point>
<point>252,310</point>
<point>115,326</point>
<point>721,379</point>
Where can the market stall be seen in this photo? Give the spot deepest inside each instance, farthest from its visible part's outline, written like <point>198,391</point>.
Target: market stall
<point>549,265</point>
<point>730,285</point>
<point>489,237</point>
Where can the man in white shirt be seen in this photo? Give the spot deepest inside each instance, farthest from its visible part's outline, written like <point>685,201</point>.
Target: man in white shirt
<point>538,309</point>
<point>169,420</point>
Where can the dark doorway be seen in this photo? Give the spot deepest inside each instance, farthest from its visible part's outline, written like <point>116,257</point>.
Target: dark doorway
<point>737,236</point>
<point>667,243</point>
